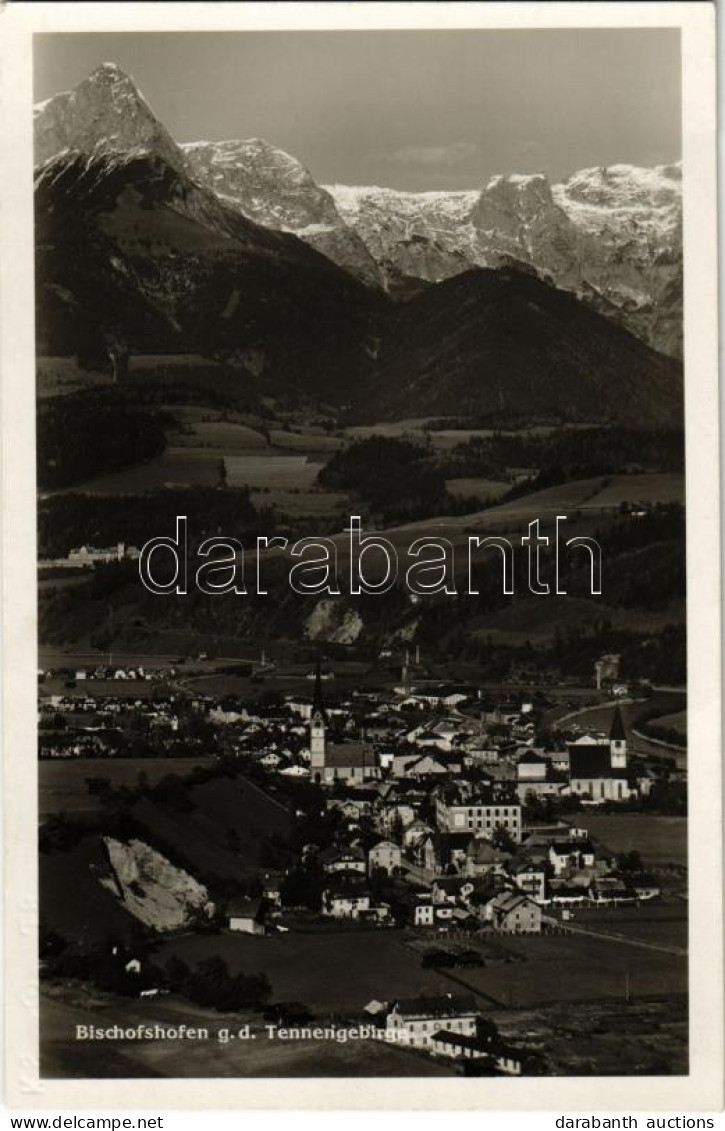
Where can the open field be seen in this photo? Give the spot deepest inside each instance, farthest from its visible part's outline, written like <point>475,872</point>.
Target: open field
<point>599,718</point>
<point>191,372</point>
<point>312,442</point>
<point>482,489</point>
<point>658,487</point>
<point>281,465</point>
<point>272,470</point>
<point>661,924</point>
<point>592,496</point>
<point>443,439</point>
<point>675,721</point>
<point>223,832</point>
<point>659,840</point>
<point>605,1039</point>
<point>57,376</point>
<point>62,782</point>
<point>574,968</point>
<point>391,428</point>
<point>170,656</point>
<point>223,436</point>
<point>184,466</point>
<point>329,973</point>
<point>62,1008</point>
<point>175,467</point>
<point>342,971</point>
<point>574,499</point>
<point>313,503</point>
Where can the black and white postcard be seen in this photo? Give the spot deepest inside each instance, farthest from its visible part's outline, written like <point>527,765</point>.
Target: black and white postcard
<point>361,677</point>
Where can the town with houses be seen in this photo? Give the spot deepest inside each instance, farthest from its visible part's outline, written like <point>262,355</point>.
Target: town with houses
<point>417,807</point>
<point>436,809</point>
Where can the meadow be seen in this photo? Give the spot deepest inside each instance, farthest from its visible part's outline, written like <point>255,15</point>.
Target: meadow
<point>279,465</point>
<point>675,721</point>
<point>335,972</point>
<point>62,782</point>
<point>62,1008</point>
<point>660,840</point>
<point>577,968</point>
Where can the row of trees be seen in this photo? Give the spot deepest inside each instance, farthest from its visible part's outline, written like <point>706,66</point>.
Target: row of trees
<point>397,479</point>
<point>85,434</point>
<point>69,520</point>
<point>120,969</point>
<point>568,453</point>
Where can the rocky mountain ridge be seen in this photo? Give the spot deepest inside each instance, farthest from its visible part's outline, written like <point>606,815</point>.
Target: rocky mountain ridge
<point>611,236</point>
<point>275,190</point>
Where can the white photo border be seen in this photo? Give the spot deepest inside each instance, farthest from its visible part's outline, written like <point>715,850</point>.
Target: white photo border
<point>702,1088</point>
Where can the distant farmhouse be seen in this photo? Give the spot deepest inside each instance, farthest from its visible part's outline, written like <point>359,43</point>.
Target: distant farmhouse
<point>87,557</point>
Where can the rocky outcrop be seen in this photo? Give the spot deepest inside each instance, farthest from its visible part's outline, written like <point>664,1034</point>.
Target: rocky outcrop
<point>104,113</point>
<point>151,888</point>
<point>275,190</point>
<point>332,623</point>
<point>612,236</point>
<point>420,235</point>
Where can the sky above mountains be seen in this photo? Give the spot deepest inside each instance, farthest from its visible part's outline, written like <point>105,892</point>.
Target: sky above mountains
<point>412,110</point>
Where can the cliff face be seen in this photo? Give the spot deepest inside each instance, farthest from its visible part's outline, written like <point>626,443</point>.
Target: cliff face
<point>275,190</point>
<point>330,622</point>
<point>611,236</point>
<point>105,113</point>
<point>151,888</point>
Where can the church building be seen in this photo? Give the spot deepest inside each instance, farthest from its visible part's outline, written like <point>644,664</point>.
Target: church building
<point>599,769</point>
<point>330,762</point>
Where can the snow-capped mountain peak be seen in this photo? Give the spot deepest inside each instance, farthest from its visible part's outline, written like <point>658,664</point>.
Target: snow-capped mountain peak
<point>105,112</point>
<point>274,189</point>
<point>611,235</point>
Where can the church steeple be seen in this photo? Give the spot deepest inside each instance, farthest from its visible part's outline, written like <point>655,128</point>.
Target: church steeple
<point>318,719</point>
<point>318,706</point>
<point>618,742</point>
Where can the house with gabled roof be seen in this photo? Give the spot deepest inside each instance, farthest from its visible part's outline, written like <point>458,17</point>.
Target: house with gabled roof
<point>451,889</point>
<point>568,855</point>
<point>610,889</point>
<point>432,764</point>
<point>415,833</point>
<point>483,859</point>
<point>414,1021</point>
<point>346,901</point>
<point>385,854</point>
<point>342,859</point>
<point>514,913</point>
<point>530,879</point>
<point>248,915</point>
